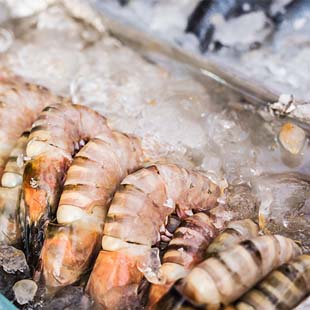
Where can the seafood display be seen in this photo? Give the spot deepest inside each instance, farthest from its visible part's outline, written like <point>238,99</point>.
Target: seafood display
<point>141,183</point>
<point>133,223</point>
<point>96,171</point>
<point>222,279</point>
<point>56,135</point>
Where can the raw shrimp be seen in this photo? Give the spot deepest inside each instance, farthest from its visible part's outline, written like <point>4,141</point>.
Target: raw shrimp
<point>137,213</point>
<point>185,250</point>
<point>10,193</point>
<point>235,232</point>
<point>284,288</point>
<point>189,244</point>
<point>222,279</point>
<point>55,137</point>
<point>94,175</point>
<point>20,105</point>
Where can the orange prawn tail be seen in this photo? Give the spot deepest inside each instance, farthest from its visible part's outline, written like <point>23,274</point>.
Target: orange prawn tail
<point>42,185</point>
<point>67,252</point>
<point>157,291</point>
<point>114,281</point>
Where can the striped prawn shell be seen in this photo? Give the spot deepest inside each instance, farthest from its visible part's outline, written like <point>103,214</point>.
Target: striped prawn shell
<point>137,212</point>
<point>96,171</point>
<point>188,245</point>
<point>10,194</point>
<point>54,138</point>
<point>20,105</point>
<point>235,232</point>
<point>14,168</point>
<point>284,288</point>
<point>222,279</point>
<point>148,196</point>
<point>185,250</point>
<point>67,254</point>
<point>93,177</point>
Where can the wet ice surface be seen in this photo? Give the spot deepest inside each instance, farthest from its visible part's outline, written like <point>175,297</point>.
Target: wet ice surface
<point>173,113</point>
<point>284,206</point>
<point>280,63</point>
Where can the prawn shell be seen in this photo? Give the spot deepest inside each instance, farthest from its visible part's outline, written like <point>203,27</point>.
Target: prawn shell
<point>123,275</point>
<point>284,288</point>
<point>10,195</point>
<point>10,231</point>
<point>185,250</point>
<point>53,140</point>
<point>139,211</point>
<point>20,105</point>
<point>66,253</point>
<point>190,240</point>
<point>151,194</point>
<point>93,177</point>
<point>235,232</point>
<point>225,277</point>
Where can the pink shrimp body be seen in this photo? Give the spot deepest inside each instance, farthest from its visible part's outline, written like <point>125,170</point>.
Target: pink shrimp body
<point>93,177</point>
<point>284,288</point>
<point>10,193</point>
<point>137,212</point>
<point>55,136</point>
<point>190,241</point>
<point>223,278</point>
<point>20,105</point>
<point>185,250</point>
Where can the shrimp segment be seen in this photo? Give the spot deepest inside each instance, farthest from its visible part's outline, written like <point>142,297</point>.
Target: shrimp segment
<point>93,177</point>
<point>20,104</point>
<point>66,253</point>
<point>54,138</point>
<point>222,279</point>
<point>185,250</point>
<point>235,232</point>
<point>189,244</point>
<point>284,288</point>
<point>133,223</point>
<point>10,193</point>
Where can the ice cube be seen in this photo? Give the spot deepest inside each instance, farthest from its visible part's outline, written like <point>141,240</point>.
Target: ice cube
<point>13,267</point>
<point>284,205</point>
<point>150,265</point>
<point>12,259</point>
<point>25,291</point>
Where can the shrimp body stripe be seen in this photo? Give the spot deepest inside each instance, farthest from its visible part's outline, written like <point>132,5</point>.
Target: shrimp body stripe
<point>235,270</point>
<point>283,289</point>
